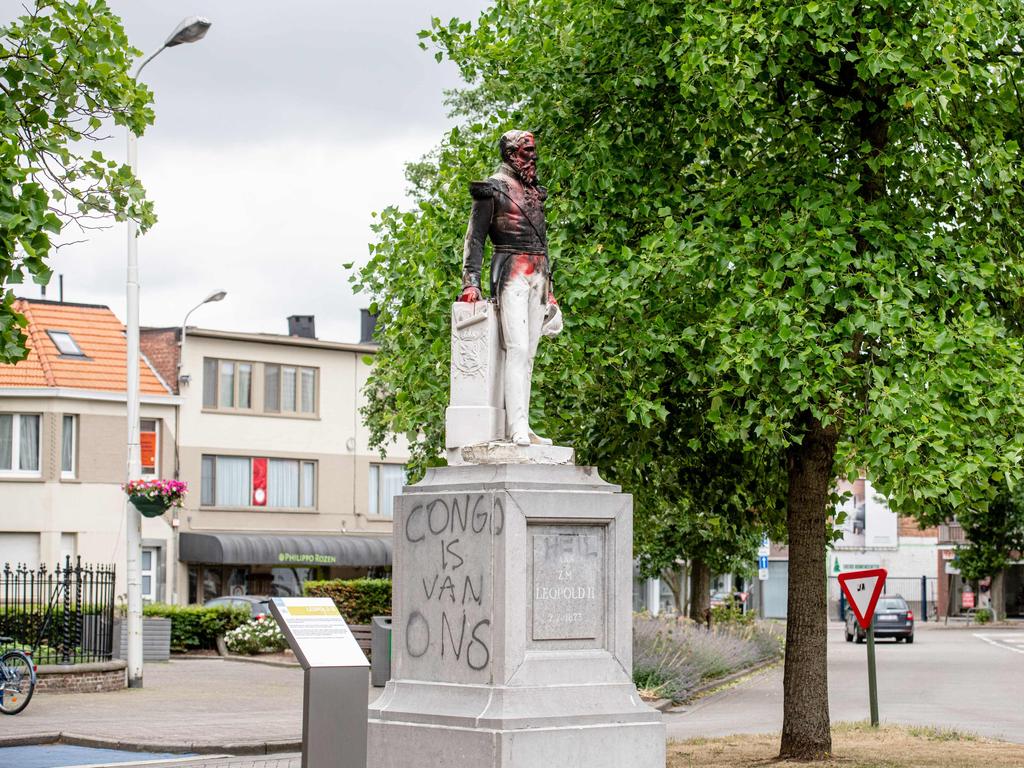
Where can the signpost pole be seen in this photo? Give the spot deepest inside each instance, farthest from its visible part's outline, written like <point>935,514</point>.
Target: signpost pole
<point>872,680</point>
<point>862,589</point>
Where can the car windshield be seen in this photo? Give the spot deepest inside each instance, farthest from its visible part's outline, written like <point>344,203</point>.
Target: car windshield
<point>892,604</point>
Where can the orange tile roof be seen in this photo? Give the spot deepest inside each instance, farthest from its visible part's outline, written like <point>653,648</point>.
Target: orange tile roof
<point>100,336</point>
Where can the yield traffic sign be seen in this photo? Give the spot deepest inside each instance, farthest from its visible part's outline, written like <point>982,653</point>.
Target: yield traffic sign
<point>862,589</point>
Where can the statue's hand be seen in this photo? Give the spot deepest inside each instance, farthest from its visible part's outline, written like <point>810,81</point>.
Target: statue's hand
<point>552,299</point>
<point>471,294</point>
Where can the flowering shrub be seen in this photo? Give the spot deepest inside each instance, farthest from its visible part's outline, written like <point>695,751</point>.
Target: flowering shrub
<point>260,635</point>
<point>171,493</point>
<point>671,659</point>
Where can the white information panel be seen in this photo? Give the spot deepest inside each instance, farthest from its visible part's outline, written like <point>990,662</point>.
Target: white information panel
<point>317,633</point>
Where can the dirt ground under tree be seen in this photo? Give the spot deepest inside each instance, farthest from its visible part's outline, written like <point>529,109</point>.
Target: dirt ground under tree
<point>855,746</point>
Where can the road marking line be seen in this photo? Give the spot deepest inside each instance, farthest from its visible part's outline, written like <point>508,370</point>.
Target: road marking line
<point>168,761</point>
<point>990,641</point>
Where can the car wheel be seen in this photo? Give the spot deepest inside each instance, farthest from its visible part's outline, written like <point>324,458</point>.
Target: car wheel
<point>849,637</point>
<point>861,638</point>
<point>910,638</point>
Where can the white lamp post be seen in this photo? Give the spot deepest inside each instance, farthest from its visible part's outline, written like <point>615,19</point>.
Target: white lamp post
<point>184,378</point>
<point>189,30</point>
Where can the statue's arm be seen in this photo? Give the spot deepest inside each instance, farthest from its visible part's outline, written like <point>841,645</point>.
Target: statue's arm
<point>476,236</point>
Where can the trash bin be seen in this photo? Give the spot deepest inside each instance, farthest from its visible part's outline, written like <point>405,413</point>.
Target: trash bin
<point>380,651</point>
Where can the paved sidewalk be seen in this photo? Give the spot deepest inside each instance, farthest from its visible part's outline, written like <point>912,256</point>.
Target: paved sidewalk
<point>288,760</point>
<point>206,705</point>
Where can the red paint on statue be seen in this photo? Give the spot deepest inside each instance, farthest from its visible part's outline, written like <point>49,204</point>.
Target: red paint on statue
<point>523,265</point>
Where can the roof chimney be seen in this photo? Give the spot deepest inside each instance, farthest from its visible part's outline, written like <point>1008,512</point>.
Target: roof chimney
<point>303,326</point>
<point>367,327</point>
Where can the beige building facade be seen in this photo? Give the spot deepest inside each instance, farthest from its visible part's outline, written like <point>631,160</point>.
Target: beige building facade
<point>63,454</point>
<point>264,428</point>
<point>283,485</point>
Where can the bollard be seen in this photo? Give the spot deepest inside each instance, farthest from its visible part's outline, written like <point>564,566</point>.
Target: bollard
<point>380,651</point>
<point>924,598</point>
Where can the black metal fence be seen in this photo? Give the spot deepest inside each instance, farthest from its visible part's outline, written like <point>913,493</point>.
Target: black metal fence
<point>920,592</point>
<point>63,616</point>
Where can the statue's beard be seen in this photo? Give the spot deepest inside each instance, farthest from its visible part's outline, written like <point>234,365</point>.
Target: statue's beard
<point>525,169</point>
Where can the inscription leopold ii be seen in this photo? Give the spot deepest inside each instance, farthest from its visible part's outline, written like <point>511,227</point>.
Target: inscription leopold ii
<point>567,586</point>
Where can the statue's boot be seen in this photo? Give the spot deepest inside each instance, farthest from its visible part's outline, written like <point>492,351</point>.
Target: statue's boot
<point>538,440</point>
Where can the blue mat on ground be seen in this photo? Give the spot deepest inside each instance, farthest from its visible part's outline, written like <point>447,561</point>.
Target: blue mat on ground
<point>59,755</point>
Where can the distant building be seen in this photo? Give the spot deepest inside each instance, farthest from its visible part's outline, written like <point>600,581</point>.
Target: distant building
<point>283,484</point>
<point>265,428</point>
<point>63,438</point>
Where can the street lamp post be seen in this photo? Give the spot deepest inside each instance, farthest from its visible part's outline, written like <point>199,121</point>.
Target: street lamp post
<point>184,378</point>
<point>189,30</point>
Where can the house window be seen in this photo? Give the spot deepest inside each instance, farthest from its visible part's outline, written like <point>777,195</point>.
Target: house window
<point>149,563</point>
<point>386,481</point>
<point>149,446</point>
<point>289,389</point>
<point>65,344</point>
<point>19,443</point>
<point>68,446</point>
<point>227,384</point>
<point>242,481</point>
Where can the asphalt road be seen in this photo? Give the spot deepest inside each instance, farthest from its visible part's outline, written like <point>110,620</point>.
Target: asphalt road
<point>968,679</point>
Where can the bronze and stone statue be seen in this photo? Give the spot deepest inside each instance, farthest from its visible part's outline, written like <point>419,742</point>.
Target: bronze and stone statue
<point>512,644</point>
<point>508,208</point>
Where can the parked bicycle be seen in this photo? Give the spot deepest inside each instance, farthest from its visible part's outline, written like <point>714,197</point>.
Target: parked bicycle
<point>17,680</point>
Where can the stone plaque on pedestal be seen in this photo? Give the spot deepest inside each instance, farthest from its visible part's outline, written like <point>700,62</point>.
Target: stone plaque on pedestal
<point>512,642</point>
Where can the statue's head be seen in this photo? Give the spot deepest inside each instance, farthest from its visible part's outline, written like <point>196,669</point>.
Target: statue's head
<point>519,150</point>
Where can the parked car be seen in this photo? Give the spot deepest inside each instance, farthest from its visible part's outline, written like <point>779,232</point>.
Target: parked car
<point>893,618</point>
<point>258,605</point>
<point>721,599</point>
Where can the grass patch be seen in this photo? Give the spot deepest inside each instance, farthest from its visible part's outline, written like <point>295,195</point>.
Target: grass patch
<point>855,745</point>
<point>672,658</point>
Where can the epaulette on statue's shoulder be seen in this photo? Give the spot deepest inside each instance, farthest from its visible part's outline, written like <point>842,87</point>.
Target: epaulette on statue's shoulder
<point>482,190</point>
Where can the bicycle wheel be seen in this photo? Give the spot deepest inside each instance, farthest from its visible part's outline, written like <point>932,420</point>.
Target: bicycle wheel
<point>17,682</point>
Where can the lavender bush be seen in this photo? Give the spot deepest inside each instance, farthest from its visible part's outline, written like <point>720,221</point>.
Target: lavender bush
<point>672,658</point>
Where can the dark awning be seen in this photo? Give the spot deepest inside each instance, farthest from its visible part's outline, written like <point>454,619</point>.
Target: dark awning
<point>275,549</point>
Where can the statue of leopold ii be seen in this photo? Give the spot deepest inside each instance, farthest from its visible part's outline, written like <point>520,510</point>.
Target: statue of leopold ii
<point>508,207</point>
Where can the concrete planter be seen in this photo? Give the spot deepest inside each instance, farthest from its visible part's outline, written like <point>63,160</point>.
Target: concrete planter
<point>156,638</point>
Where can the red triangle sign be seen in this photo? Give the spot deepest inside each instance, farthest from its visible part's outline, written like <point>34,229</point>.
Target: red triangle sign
<point>862,589</point>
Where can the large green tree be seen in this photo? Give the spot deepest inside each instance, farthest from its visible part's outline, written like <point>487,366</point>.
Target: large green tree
<point>712,514</point>
<point>64,80</point>
<point>803,214</point>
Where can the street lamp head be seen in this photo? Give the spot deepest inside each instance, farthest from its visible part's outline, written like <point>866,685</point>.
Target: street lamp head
<point>215,296</point>
<point>190,30</point>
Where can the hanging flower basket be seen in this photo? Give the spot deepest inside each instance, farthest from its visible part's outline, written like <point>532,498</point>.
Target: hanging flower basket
<point>154,497</point>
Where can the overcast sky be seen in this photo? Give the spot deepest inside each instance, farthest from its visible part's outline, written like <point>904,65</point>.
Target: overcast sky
<point>275,138</point>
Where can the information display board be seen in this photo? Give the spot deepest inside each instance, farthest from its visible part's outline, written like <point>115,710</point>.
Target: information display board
<point>317,633</point>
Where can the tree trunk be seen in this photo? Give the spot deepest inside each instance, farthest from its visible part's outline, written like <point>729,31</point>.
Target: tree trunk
<point>806,733</point>
<point>700,589</point>
<point>998,595</point>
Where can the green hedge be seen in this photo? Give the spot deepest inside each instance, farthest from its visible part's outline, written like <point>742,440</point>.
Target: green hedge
<point>195,626</point>
<point>359,600</point>
<point>23,622</point>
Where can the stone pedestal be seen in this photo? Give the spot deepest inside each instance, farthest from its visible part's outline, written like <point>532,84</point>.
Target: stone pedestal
<point>512,642</point>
